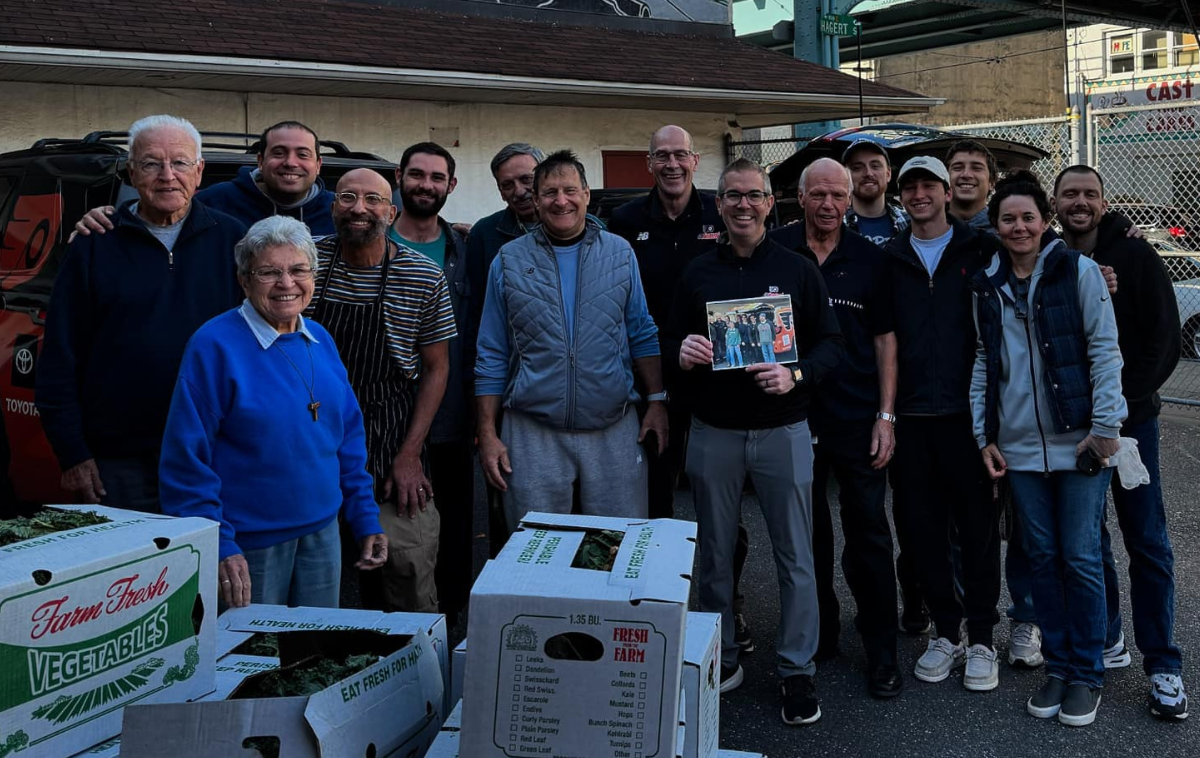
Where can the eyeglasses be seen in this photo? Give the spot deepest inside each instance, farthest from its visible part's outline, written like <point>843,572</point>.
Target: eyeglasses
<point>508,185</point>
<point>273,275</point>
<point>754,197</point>
<point>662,157</point>
<point>371,199</point>
<point>179,166</point>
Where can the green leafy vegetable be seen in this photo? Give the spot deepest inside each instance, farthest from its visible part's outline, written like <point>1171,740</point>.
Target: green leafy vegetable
<point>305,678</point>
<point>598,550</point>
<point>46,522</point>
<point>265,644</point>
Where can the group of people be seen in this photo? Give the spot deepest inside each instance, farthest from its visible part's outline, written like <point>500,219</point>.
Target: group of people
<point>309,367</point>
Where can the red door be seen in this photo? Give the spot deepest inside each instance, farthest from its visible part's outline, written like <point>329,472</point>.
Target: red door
<point>626,168</point>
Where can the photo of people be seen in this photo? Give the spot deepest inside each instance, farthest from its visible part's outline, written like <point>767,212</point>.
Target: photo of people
<point>751,330</point>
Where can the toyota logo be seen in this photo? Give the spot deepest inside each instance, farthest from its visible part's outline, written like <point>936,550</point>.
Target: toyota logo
<point>23,360</point>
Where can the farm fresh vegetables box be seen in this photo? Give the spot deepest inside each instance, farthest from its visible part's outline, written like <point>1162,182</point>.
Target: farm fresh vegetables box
<point>98,617</point>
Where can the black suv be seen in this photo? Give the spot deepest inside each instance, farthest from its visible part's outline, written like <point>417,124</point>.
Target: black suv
<point>43,191</point>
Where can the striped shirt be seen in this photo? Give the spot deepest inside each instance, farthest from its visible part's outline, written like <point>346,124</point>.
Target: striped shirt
<point>416,306</point>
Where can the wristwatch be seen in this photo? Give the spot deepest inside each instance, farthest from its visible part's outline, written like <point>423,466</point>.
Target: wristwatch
<point>888,417</point>
<point>657,397</point>
<point>797,375</point>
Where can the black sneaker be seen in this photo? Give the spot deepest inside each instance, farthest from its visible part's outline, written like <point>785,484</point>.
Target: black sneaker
<point>884,681</point>
<point>1079,705</point>
<point>741,633</point>
<point>800,704</point>
<point>731,678</point>
<point>1047,701</point>
<point>915,619</point>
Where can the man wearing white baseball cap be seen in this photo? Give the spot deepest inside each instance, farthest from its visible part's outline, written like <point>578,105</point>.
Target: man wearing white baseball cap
<point>938,484</point>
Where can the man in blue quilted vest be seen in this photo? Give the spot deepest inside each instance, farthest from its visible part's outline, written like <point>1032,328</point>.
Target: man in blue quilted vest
<point>564,327</point>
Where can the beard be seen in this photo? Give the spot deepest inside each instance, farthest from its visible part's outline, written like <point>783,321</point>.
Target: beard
<point>360,237</point>
<point>422,206</point>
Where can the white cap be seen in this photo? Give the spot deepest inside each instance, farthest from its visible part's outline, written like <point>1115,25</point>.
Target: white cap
<point>928,164</point>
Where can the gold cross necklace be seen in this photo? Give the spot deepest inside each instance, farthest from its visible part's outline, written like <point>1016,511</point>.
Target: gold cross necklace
<point>313,404</point>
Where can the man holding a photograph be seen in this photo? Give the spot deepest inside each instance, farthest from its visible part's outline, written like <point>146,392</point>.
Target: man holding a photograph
<point>852,421</point>
<point>754,422</point>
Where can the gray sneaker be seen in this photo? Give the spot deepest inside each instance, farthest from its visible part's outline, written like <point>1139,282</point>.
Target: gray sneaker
<point>1025,645</point>
<point>939,659</point>
<point>1117,656</point>
<point>983,669</point>
<point>1047,701</point>
<point>1079,705</point>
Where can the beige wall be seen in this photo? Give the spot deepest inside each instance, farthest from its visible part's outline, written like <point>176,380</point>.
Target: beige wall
<point>384,127</point>
<point>1028,83</point>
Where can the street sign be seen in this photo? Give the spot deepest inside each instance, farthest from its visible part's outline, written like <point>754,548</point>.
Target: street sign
<point>837,25</point>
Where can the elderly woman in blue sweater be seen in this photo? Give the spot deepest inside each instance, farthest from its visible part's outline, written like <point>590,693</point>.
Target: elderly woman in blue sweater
<point>1047,405</point>
<point>265,436</point>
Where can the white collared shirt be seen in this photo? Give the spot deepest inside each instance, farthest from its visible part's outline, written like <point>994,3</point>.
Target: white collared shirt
<point>264,332</point>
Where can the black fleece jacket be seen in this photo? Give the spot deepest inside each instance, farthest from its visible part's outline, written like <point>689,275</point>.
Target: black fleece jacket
<point>1148,330</point>
<point>731,399</point>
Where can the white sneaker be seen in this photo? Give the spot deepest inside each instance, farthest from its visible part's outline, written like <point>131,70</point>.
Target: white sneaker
<point>1168,700</point>
<point>1117,656</point>
<point>939,659</point>
<point>1025,645</point>
<point>983,669</point>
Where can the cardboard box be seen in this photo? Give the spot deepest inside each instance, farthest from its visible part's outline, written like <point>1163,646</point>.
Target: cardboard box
<point>574,661</point>
<point>738,754</point>
<point>384,709</point>
<point>446,745</point>
<point>107,749</point>
<point>702,684</point>
<point>458,668</point>
<point>94,619</point>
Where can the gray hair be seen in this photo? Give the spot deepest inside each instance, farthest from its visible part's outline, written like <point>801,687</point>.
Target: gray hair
<point>510,151</point>
<point>143,126</point>
<point>825,162</point>
<point>744,165</point>
<point>273,231</point>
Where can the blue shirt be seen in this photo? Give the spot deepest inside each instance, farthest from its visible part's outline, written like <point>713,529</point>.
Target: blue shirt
<point>878,229</point>
<point>930,251</point>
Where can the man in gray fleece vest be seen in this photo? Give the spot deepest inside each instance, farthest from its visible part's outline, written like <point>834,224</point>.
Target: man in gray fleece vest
<point>564,325</point>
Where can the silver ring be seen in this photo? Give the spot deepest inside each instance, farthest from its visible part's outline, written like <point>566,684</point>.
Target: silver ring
<point>421,490</point>
<point>227,581</point>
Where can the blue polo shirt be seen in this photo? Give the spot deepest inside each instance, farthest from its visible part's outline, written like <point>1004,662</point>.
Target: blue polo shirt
<point>856,277</point>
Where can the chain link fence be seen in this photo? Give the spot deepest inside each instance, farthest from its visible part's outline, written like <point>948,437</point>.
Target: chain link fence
<point>1059,136</point>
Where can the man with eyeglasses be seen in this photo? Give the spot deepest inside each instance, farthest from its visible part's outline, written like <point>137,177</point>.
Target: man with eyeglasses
<point>673,224</point>
<point>388,309</point>
<point>753,422</point>
<point>286,182</point>
<point>123,307</point>
<point>425,178</point>
<point>565,327</point>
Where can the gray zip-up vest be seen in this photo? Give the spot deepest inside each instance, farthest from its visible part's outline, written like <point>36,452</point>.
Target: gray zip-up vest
<point>580,384</point>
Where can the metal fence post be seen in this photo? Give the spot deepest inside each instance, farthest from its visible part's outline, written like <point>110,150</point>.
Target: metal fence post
<point>1076,146</point>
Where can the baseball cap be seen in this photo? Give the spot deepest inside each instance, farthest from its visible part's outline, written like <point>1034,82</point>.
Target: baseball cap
<point>866,144</point>
<point>929,165</point>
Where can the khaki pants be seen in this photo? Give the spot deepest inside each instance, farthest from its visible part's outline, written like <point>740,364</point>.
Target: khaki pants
<point>408,576</point>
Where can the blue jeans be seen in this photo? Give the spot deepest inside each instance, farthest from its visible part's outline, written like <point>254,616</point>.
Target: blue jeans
<point>731,352</point>
<point>130,483</point>
<point>1143,522</point>
<point>306,571</point>
<point>768,352</point>
<point>1020,581</point>
<point>1060,517</point>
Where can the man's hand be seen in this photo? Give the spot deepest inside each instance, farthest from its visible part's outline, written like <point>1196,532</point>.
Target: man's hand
<point>83,481</point>
<point>233,574</point>
<point>461,227</point>
<point>655,421</point>
<point>494,457</point>
<point>1102,448</point>
<point>694,351</point>
<point>993,461</point>
<point>883,443</point>
<point>410,484</point>
<point>1110,277</point>
<point>772,378</point>
<point>96,220</point>
<point>374,552</point>
<point>1134,232</point>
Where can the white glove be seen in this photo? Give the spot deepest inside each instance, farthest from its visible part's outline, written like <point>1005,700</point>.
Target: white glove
<point>1130,468</point>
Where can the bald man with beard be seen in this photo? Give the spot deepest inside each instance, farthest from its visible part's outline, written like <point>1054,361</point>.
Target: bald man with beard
<point>388,310</point>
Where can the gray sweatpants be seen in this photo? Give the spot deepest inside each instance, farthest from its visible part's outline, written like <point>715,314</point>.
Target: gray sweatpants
<point>779,461</point>
<point>608,464</point>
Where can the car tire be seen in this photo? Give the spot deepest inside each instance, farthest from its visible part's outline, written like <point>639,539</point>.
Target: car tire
<point>1191,338</point>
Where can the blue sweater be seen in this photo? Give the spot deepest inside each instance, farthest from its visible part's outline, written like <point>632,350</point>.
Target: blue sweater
<point>241,198</point>
<point>120,315</point>
<point>241,447</point>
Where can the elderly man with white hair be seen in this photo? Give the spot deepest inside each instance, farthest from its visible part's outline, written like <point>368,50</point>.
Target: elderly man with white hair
<point>123,308</point>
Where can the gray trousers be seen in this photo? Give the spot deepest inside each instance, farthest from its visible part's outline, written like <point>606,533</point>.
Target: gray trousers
<point>608,464</point>
<point>780,463</point>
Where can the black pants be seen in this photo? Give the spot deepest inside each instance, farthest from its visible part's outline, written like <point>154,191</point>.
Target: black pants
<point>452,473</point>
<point>940,484</point>
<point>867,556</point>
<point>664,469</point>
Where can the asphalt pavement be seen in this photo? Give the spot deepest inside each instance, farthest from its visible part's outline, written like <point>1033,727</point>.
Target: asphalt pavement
<point>944,719</point>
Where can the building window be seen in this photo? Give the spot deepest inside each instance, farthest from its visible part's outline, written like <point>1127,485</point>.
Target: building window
<point>1120,54</point>
<point>1187,53</point>
<point>1154,51</point>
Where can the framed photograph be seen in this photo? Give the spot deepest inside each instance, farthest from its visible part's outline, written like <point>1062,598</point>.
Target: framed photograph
<point>752,330</point>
